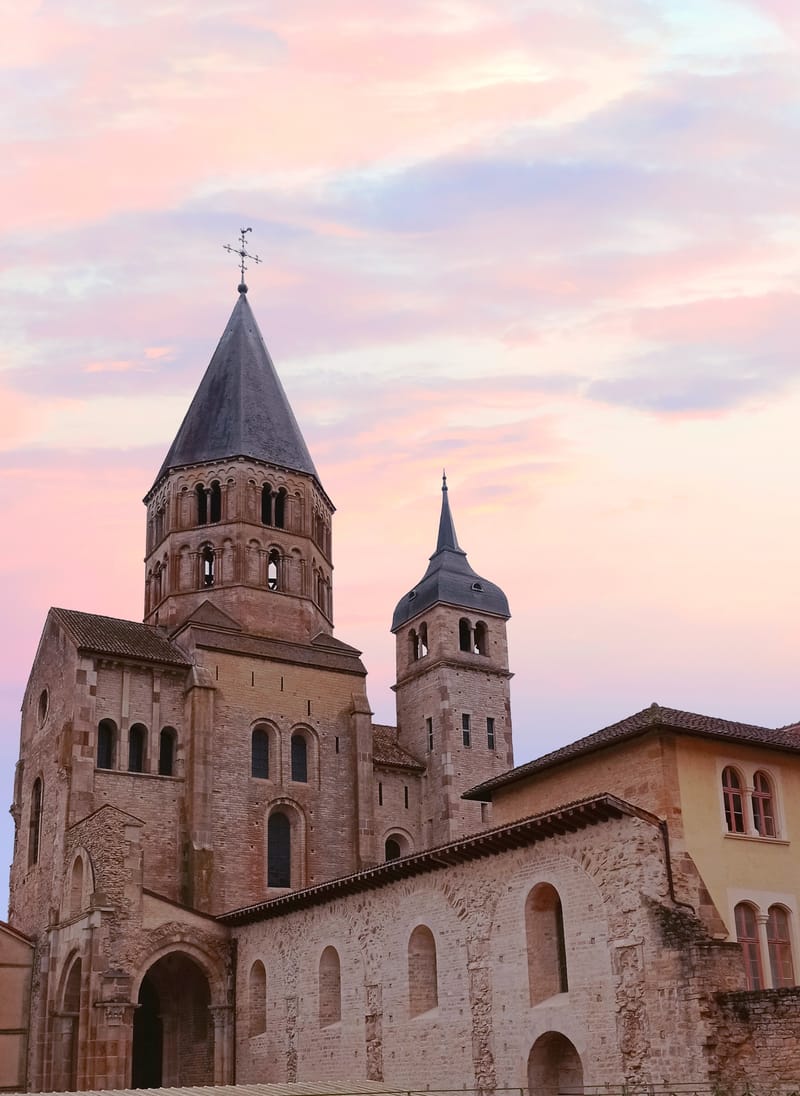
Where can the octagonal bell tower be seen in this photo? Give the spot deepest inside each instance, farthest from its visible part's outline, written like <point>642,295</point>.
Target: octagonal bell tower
<point>453,706</point>
<point>237,516</point>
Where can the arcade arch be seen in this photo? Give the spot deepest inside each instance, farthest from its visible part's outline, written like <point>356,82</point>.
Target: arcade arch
<point>173,1030</point>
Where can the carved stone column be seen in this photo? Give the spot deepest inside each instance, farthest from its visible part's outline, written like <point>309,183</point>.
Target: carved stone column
<point>222,1017</point>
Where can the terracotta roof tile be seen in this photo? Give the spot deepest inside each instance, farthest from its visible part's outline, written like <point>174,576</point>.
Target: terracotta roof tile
<point>124,638</point>
<point>671,719</point>
<point>386,752</point>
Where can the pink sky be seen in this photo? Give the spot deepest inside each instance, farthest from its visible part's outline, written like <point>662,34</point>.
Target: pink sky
<point>552,246</point>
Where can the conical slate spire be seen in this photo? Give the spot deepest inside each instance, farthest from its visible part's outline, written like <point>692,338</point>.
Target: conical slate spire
<point>447,530</point>
<point>450,579</point>
<point>240,408</point>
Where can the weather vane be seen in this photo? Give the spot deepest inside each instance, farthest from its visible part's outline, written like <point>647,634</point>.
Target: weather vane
<point>243,254</point>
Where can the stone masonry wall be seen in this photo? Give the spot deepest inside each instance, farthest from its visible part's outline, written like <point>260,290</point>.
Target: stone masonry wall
<point>286,699</point>
<point>443,686</point>
<point>633,1008</point>
<point>757,1040</point>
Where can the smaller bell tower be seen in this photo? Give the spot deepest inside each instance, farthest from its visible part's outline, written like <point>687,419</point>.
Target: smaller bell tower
<point>453,706</point>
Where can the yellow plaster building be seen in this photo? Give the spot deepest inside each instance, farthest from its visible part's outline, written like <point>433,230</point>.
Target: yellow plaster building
<point>729,795</point>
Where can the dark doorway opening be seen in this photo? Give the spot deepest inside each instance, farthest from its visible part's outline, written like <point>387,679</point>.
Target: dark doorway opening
<point>148,1038</point>
<point>173,1033</point>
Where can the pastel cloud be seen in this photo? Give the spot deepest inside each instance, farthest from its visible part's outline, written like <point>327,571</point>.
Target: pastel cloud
<point>552,246</point>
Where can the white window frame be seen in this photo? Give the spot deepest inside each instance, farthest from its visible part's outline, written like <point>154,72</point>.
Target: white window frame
<point>748,769</point>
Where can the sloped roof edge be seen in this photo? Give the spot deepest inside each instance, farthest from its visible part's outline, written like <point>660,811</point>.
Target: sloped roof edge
<point>118,638</point>
<point>566,819</point>
<point>654,717</point>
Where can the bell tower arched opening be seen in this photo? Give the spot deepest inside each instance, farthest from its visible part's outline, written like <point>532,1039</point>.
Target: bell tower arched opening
<point>173,1032</point>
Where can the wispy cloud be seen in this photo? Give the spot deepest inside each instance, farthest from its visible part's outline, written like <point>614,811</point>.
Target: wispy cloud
<point>551,246</point>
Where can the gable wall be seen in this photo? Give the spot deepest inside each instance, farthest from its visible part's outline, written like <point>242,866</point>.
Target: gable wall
<point>641,771</point>
<point>46,748</point>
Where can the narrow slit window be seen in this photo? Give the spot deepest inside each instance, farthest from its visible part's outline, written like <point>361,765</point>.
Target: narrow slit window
<point>259,754</point>
<point>35,823</point>
<point>273,569</point>
<point>76,888</point>
<point>429,729</point>
<point>490,739</point>
<point>166,752</point>
<point>207,557</point>
<point>466,733</point>
<point>299,758</point>
<point>279,851</point>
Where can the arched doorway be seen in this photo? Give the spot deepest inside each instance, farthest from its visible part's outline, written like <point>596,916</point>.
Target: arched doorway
<point>173,1033</point>
<point>554,1067</point>
<point>70,1018</point>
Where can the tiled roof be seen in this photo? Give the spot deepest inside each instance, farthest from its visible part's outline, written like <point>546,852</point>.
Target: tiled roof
<point>125,638</point>
<point>386,752</point>
<point>540,827</point>
<point>670,719</point>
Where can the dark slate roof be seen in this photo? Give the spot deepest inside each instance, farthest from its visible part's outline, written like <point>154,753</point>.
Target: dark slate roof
<point>386,752</point>
<point>450,579</point>
<point>654,717</point>
<point>569,818</point>
<point>240,408</point>
<point>123,638</point>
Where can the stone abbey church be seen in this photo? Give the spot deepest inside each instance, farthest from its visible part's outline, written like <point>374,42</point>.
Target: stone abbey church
<point>225,872</point>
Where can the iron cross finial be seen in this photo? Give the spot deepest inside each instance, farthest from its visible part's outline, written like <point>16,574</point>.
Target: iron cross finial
<point>243,254</point>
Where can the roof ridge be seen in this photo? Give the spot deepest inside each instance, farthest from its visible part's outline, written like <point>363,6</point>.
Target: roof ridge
<point>656,715</point>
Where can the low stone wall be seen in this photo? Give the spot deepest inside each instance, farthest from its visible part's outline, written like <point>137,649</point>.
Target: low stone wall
<point>758,1041</point>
